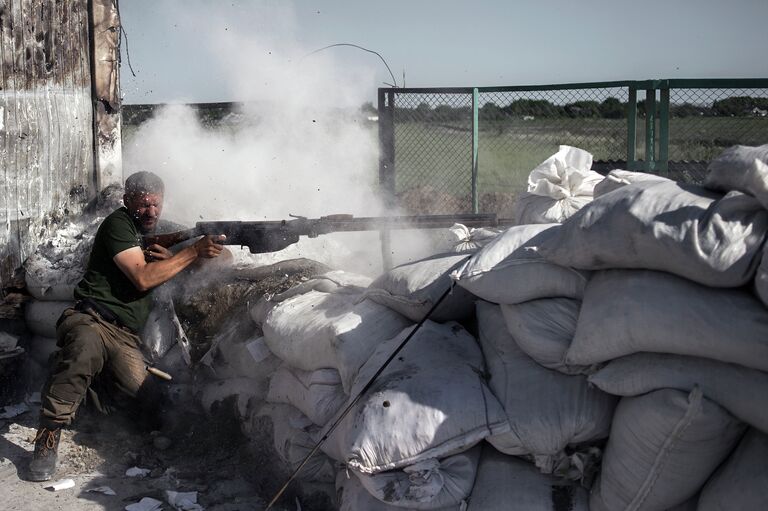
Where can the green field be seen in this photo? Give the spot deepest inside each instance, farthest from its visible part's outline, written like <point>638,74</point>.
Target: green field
<point>433,161</point>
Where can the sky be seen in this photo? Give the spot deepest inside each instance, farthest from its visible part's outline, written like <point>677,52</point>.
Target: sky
<point>189,50</point>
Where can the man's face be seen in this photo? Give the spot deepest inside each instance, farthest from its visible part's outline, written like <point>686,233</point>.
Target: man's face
<point>145,209</point>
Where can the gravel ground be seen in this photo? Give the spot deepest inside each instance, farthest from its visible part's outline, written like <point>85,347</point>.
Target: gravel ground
<point>208,458</point>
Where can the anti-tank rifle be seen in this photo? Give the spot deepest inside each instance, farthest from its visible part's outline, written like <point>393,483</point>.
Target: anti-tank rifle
<point>274,235</point>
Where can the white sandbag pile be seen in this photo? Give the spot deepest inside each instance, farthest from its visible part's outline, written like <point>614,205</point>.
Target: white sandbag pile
<point>646,290</point>
<point>411,441</point>
<point>557,188</point>
<point>701,235</point>
<point>547,410</point>
<point>430,402</point>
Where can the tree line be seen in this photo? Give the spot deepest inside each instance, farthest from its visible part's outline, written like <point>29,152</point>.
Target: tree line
<point>609,108</point>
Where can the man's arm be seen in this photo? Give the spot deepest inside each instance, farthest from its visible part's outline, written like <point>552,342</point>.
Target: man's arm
<point>146,276</point>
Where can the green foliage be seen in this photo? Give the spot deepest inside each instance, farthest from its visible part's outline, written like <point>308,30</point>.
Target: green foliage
<point>739,106</point>
<point>612,108</point>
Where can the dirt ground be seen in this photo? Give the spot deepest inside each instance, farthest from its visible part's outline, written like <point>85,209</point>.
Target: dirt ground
<point>210,456</point>
<point>209,459</point>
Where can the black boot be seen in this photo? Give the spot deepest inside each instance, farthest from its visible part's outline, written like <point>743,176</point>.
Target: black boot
<point>43,463</point>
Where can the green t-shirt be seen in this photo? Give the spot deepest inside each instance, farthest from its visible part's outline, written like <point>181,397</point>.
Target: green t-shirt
<point>105,282</point>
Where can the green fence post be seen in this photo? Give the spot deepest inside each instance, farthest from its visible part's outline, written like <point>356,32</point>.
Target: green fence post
<point>632,129</point>
<point>650,129</point>
<point>386,99</point>
<point>663,159</point>
<point>475,144</point>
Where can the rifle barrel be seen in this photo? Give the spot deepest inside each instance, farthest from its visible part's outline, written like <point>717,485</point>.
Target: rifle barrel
<point>412,222</point>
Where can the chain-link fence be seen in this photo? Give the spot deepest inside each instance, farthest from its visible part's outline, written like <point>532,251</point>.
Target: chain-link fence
<point>704,121</point>
<point>471,149</point>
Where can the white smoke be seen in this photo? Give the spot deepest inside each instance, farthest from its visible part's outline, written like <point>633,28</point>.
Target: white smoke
<point>300,144</point>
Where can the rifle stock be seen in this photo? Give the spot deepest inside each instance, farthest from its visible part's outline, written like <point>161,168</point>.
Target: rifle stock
<point>274,235</point>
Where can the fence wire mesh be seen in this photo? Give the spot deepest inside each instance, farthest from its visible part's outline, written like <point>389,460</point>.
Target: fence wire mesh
<point>433,152</point>
<point>704,122</point>
<point>517,130</point>
<point>437,145</point>
<point>520,129</point>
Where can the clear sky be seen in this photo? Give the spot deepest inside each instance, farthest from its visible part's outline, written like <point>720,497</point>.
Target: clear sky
<point>177,52</point>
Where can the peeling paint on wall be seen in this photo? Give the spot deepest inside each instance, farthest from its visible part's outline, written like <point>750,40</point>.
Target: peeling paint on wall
<point>46,132</point>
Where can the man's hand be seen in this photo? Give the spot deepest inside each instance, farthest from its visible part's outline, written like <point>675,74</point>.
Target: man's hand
<point>146,274</point>
<point>208,247</point>
<point>157,253</point>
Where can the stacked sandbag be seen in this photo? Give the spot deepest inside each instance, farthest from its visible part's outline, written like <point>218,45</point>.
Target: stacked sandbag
<point>687,230</point>
<point>617,178</point>
<point>510,270</point>
<point>548,411</point>
<point>413,288</point>
<point>557,188</point>
<point>507,483</point>
<point>742,481</point>
<point>430,402</point>
<point>662,448</point>
<point>410,439</point>
<point>630,311</point>
<point>738,389</point>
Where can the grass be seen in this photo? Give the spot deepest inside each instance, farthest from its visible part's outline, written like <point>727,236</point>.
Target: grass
<point>433,162</point>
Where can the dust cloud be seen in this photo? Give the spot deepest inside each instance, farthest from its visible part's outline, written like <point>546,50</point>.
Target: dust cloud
<point>299,145</point>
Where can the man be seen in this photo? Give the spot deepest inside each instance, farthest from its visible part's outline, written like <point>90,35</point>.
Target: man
<point>98,337</point>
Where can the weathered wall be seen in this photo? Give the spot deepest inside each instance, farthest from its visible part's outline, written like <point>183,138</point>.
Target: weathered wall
<point>46,121</point>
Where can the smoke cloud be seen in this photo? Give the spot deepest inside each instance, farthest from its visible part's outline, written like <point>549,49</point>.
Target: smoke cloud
<point>300,144</point>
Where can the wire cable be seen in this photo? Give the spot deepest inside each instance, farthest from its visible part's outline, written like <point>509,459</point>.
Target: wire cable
<point>394,82</point>
<point>356,399</point>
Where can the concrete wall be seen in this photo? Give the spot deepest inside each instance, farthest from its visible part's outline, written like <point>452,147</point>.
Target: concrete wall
<point>46,121</point>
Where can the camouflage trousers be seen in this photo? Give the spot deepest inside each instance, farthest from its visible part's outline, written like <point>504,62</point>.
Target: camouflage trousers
<point>94,354</point>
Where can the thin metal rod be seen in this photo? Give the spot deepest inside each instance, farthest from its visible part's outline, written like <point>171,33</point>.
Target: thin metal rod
<point>356,399</point>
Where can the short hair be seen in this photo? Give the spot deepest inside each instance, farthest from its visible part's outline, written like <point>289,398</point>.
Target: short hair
<point>143,182</point>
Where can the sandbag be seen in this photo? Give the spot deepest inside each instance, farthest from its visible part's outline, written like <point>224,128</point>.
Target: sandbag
<point>547,410</point>
<point>761,277</point>
<point>682,229</point>
<point>618,178</point>
<point>40,348</point>
<point>41,316</point>
<point>352,496</point>
<point>162,329</point>
<point>739,390</point>
<point>238,352</point>
<point>742,168</point>
<point>742,481</point>
<point>317,394</point>
<point>471,239</point>
<point>506,483</point>
<point>662,448</point>
<point>510,270</point>
<point>430,402</point>
<point>335,281</point>
<point>544,329</point>
<point>293,436</point>
<point>557,188</point>
<point>629,311</point>
<point>43,287</point>
<point>430,484</point>
<point>319,330</point>
<point>413,288</point>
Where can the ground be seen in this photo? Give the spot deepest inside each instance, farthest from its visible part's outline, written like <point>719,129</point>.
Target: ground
<point>209,458</point>
<point>209,453</point>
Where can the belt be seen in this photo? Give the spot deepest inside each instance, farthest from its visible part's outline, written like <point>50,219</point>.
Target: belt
<point>94,308</point>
